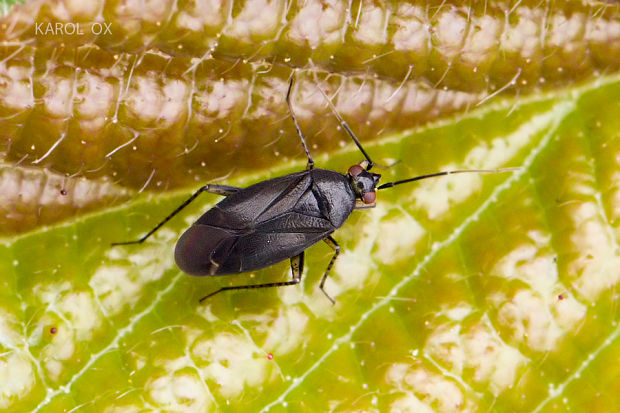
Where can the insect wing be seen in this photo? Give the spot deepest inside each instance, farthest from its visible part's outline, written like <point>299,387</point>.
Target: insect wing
<point>277,240</point>
<point>202,247</point>
<point>257,203</point>
<point>261,250</point>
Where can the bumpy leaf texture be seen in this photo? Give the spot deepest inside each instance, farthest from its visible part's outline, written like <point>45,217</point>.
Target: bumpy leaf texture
<point>165,94</point>
<point>469,293</point>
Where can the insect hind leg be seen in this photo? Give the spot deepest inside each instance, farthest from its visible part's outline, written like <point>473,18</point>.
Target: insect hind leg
<point>223,190</point>
<point>297,268</point>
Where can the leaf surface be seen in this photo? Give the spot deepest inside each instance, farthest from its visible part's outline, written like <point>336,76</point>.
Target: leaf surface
<point>474,292</point>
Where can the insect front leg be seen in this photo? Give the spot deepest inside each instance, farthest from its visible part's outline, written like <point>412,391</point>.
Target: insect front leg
<point>332,243</point>
<point>223,190</point>
<point>361,205</point>
<point>297,267</point>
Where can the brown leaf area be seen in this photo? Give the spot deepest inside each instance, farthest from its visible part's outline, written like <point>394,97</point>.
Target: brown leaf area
<point>34,197</point>
<point>161,94</point>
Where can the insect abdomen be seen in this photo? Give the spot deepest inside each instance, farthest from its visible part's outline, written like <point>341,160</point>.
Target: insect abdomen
<point>202,248</point>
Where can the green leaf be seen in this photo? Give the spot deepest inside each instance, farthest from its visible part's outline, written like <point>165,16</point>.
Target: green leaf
<point>473,292</point>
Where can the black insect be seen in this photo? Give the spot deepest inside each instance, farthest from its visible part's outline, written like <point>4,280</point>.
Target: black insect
<point>278,219</point>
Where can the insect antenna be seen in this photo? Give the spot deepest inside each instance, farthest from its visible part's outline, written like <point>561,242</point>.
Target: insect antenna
<point>457,171</point>
<point>346,127</point>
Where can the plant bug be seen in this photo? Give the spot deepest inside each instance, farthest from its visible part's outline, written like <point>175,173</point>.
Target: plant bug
<point>278,219</point>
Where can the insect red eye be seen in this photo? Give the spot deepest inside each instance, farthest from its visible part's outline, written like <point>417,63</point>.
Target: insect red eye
<point>355,170</point>
<point>369,197</point>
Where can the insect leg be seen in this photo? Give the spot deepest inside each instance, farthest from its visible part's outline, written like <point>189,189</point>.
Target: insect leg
<point>297,267</point>
<point>332,243</point>
<point>361,205</point>
<point>310,164</point>
<point>214,189</point>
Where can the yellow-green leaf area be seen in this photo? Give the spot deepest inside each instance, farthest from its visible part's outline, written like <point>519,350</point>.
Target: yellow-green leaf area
<point>473,292</point>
